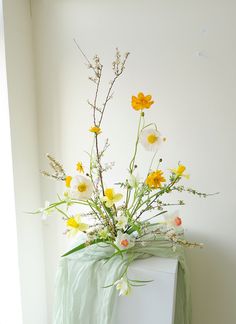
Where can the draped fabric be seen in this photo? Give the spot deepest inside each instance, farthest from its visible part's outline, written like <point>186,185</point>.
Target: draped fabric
<point>80,297</point>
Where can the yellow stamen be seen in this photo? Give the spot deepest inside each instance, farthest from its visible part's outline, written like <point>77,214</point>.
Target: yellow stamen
<point>82,187</point>
<point>109,193</point>
<point>72,222</point>
<point>152,138</point>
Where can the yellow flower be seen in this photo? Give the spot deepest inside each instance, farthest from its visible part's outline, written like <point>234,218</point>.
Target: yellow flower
<point>179,172</point>
<point>155,179</point>
<point>111,197</point>
<point>79,167</point>
<point>68,181</point>
<point>95,129</point>
<point>141,101</point>
<point>75,225</point>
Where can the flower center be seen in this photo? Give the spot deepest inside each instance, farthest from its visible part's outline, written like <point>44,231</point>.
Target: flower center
<point>178,221</point>
<point>109,193</point>
<point>152,138</point>
<point>72,222</point>
<point>124,243</point>
<point>82,187</point>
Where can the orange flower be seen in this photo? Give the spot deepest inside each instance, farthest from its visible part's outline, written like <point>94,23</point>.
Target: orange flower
<point>141,101</point>
<point>155,179</point>
<point>68,181</point>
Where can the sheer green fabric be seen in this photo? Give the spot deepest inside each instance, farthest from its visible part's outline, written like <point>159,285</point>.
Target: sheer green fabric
<point>80,297</point>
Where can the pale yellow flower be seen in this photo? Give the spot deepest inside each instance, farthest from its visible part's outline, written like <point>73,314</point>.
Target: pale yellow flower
<point>80,167</point>
<point>95,129</point>
<point>111,197</point>
<point>141,101</point>
<point>155,179</point>
<point>75,225</point>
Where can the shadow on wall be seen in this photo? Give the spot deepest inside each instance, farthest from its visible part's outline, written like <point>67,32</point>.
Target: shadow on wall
<point>210,289</point>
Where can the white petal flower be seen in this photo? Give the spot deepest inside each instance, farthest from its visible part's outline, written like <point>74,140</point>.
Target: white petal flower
<point>173,221</point>
<point>151,139</point>
<point>124,241</point>
<point>122,222</point>
<point>123,286</point>
<point>81,187</point>
<point>133,181</point>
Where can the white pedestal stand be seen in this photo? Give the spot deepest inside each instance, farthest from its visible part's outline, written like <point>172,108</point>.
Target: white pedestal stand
<point>155,302</point>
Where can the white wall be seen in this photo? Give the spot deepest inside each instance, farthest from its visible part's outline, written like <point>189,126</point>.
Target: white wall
<point>11,310</point>
<point>23,115</point>
<point>183,52</point>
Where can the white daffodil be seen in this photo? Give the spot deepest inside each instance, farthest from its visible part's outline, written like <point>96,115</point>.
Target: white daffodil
<point>151,139</point>
<point>173,220</point>
<point>80,187</point>
<point>123,286</point>
<point>122,222</point>
<point>124,241</point>
<point>133,180</point>
<point>75,225</point>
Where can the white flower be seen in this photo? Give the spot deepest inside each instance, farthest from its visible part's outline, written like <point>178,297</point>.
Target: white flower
<point>151,139</point>
<point>122,222</point>
<point>173,220</point>
<point>124,241</point>
<point>81,187</point>
<point>133,181</point>
<point>123,286</point>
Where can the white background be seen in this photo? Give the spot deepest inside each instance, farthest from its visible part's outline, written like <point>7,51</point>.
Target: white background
<point>183,53</point>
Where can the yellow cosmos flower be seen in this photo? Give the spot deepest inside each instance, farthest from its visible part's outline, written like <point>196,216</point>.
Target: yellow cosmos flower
<point>68,181</point>
<point>141,101</point>
<point>95,129</point>
<point>179,172</point>
<point>79,167</point>
<point>111,197</point>
<point>155,179</point>
<point>75,225</point>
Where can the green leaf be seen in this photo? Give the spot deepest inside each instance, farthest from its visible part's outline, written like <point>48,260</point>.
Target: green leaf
<point>82,246</point>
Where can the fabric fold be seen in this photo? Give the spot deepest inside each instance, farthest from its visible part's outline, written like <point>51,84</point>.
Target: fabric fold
<point>80,296</point>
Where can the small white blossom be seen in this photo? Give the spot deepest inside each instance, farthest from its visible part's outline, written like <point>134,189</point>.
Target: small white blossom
<point>133,181</point>
<point>123,286</point>
<point>122,222</point>
<point>124,241</point>
<point>45,211</point>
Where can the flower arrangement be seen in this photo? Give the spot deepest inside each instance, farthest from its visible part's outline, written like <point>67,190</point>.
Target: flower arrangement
<point>130,213</point>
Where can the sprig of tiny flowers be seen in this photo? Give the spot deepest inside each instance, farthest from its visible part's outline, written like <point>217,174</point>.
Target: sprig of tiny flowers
<point>118,214</point>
